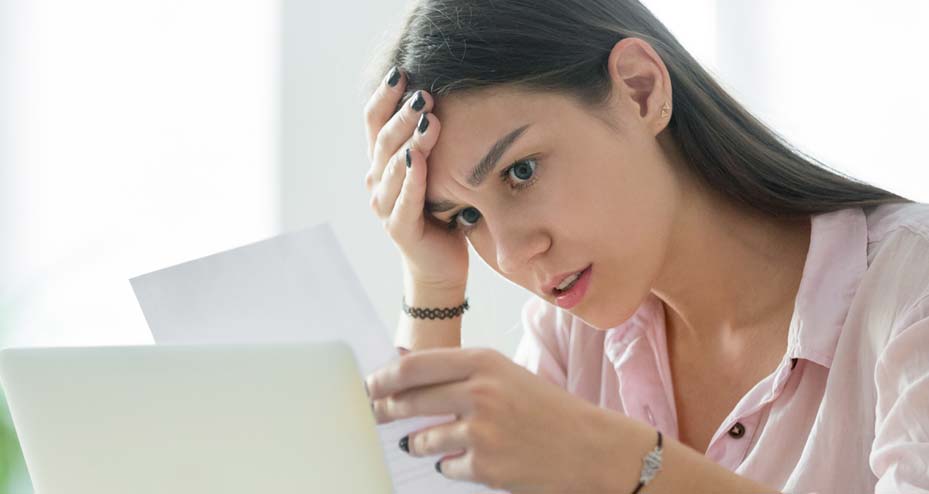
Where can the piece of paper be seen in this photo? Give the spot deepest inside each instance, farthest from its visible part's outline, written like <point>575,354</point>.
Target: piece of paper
<point>297,286</point>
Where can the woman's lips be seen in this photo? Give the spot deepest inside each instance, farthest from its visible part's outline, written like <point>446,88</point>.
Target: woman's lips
<point>549,288</point>
<point>576,292</point>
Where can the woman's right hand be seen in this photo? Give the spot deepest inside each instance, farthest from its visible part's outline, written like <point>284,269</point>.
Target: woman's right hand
<point>433,257</point>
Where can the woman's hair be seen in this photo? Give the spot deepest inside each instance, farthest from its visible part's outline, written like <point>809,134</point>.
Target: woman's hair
<point>461,46</point>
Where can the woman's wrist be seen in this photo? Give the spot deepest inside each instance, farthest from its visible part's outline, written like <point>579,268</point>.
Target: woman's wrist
<point>619,443</point>
<point>623,444</point>
<point>435,312</point>
<point>418,334</point>
<point>422,295</point>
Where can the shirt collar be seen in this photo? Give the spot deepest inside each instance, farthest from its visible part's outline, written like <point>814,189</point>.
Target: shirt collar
<point>835,263</point>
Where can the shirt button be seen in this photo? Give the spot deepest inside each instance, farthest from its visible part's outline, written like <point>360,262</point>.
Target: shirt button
<point>648,413</point>
<point>737,430</point>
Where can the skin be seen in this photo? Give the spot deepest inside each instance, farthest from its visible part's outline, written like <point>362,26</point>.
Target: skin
<point>609,188</point>
<point>586,177</point>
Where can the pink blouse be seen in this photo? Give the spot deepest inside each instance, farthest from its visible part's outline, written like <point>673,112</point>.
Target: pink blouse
<point>852,416</point>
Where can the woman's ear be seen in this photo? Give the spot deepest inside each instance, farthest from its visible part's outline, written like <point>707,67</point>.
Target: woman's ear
<point>641,83</point>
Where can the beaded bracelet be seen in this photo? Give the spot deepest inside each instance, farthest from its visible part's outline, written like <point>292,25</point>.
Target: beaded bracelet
<point>432,313</point>
<point>651,463</point>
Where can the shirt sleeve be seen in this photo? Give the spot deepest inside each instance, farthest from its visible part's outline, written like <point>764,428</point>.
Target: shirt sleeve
<point>900,451</point>
<point>538,349</point>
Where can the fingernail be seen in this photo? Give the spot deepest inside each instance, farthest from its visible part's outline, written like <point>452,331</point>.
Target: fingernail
<point>409,160</point>
<point>405,443</point>
<point>418,102</point>
<point>438,466</point>
<point>367,391</point>
<point>423,124</point>
<point>394,77</point>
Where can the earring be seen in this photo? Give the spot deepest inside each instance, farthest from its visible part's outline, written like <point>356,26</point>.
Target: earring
<point>665,109</point>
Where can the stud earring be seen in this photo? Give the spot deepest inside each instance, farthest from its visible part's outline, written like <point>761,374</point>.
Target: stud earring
<point>665,109</point>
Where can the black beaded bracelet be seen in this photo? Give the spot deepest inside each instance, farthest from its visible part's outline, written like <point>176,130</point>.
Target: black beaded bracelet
<point>432,313</point>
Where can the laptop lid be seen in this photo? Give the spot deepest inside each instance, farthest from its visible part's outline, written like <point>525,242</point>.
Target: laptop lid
<point>236,418</point>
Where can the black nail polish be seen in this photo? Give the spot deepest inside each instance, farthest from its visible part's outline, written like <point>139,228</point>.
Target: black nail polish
<point>409,160</point>
<point>423,124</point>
<point>394,77</point>
<point>438,466</point>
<point>405,443</point>
<point>418,102</point>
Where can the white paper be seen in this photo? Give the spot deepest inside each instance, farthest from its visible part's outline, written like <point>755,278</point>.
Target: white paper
<point>295,286</point>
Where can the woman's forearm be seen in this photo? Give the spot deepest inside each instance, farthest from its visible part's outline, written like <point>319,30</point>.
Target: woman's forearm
<point>682,468</point>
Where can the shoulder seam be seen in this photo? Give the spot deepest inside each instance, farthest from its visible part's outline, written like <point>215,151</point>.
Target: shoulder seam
<point>911,227</point>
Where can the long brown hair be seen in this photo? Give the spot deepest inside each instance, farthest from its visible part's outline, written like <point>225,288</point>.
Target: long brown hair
<point>449,46</point>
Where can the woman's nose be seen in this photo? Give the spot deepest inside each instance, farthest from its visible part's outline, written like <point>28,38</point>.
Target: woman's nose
<point>516,244</point>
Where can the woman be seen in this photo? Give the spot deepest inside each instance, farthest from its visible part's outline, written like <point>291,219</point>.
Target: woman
<point>734,316</point>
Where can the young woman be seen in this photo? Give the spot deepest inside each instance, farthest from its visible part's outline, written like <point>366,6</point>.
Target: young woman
<point>712,311</point>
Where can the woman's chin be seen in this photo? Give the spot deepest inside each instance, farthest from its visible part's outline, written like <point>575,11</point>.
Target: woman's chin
<point>602,321</point>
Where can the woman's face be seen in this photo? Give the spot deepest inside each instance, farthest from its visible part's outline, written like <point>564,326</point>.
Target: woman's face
<point>568,192</point>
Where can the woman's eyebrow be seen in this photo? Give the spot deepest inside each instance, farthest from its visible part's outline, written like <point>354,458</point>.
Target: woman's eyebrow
<point>483,168</point>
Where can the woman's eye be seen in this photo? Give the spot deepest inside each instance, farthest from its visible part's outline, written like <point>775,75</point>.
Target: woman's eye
<point>522,170</point>
<point>470,216</point>
<point>467,215</point>
<point>519,175</point>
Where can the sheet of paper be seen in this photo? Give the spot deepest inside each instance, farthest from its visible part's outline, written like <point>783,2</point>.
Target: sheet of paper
<point>295,286</point>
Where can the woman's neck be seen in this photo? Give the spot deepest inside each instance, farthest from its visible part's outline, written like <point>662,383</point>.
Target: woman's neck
<point>729,272</point>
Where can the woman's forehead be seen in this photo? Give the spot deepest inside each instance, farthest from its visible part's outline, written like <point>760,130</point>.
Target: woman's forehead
<point>471,124</point>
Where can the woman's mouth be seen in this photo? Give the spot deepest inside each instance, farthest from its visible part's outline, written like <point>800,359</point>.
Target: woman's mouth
<point>574,288</point>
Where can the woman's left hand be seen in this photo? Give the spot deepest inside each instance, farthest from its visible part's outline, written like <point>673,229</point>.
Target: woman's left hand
<point>514,430</point>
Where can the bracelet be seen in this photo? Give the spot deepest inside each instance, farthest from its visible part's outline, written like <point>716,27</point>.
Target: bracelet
<point>651,463</point>
<point>432,313</point>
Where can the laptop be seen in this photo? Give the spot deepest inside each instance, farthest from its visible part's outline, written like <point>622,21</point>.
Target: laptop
<point>236,418</point>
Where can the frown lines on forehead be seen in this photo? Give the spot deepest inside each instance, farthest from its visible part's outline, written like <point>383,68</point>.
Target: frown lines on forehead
<point>483,168</point>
